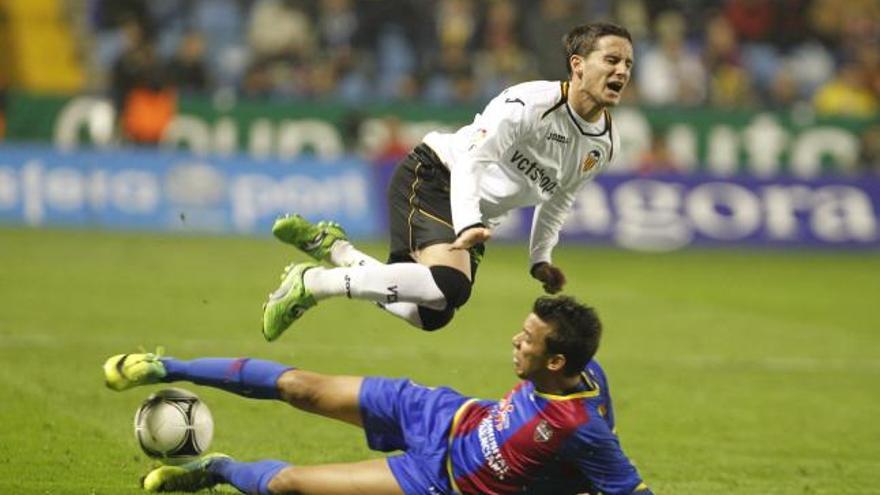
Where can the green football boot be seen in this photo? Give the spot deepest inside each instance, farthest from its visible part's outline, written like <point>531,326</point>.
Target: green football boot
<point>313,239</point>
<point>190,477</point>
<point>124,371</point>
<point>288,302</point>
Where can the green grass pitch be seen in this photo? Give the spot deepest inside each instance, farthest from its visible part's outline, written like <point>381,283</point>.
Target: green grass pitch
<point>733,372</point>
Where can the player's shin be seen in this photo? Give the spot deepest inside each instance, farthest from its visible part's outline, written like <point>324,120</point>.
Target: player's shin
<point>343,253</point>
<point>385,284</point>
<point>253,378</point>
<point>248,477</point>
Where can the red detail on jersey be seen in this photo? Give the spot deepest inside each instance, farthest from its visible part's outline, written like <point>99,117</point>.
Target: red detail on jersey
<point>522,453</point>
<point>471,418</point>
<point>235,369</point>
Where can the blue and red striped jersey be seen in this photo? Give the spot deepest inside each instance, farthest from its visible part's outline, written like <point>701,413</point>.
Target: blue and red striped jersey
<point>530,442</point>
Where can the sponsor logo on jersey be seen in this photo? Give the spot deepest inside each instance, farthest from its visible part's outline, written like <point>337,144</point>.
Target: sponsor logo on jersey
<point>558,138</point>
<point>501,417</point>
<point>533,172</point>
<point>591,160</point>
<point>515,100</point>
<point>543,432</point>
<point>490,450</point>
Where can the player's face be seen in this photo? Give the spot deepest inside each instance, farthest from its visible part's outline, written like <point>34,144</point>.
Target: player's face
<point>529,347</point>
<point>605,72</point>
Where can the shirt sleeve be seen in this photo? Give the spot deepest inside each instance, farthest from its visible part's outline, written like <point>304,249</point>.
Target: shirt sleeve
<point>551,215</point>
<point>546,224</point>
<point>600,459</point>
<point>494,131</point>
<point>595,370</point>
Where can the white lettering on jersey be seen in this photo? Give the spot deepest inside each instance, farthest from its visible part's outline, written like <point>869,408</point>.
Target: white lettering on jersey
<point>489,447</point>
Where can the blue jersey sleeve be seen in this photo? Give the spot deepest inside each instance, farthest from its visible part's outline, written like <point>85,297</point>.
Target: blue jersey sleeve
<point>597,454</point>
<point>606,409</point>
<point>595,451</point>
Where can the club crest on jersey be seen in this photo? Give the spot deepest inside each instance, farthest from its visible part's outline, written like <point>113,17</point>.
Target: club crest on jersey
<point>591,160</point>
<point>543,432</point>
<point>502,415</point>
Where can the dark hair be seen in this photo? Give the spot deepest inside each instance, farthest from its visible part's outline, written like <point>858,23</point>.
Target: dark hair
<point>576,330</point>
<point>582,39</point>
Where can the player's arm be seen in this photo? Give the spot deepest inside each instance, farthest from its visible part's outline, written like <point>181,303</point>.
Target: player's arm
<point>502,122</point>
<point>600,459</point>
<point>546,224</point>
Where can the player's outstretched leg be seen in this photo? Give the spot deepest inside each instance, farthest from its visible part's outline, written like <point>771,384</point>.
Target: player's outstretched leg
<point>332,396</point>
<point>316,240</point>
<point>124,371</point>
<point>248,477</point>
<point>270,476</point>
<point>252,378</point>
<point>190,477</point>
<point>327,241</point>
<point>289,301</point>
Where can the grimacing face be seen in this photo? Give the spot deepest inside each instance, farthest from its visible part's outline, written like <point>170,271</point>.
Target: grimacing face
<point>605,72</point>
<point>530,348</point>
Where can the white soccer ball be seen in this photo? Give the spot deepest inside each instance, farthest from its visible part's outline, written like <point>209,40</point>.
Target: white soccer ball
<point>174,426</point>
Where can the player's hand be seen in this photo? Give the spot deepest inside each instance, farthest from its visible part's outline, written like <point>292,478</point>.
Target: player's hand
<point>470,238</point>
<point>551,276</point>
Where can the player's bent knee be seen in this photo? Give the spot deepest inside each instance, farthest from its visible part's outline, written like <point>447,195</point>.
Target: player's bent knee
<point>300,388</point>
<point>454,285</point>
<point>433,319</point>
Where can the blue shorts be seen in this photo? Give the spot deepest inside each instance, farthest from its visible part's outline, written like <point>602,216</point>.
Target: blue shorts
<point>400,414</point>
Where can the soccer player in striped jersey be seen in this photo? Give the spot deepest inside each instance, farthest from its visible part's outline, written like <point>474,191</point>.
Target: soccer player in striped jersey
<point>553,433</point>
<point>535,144</point>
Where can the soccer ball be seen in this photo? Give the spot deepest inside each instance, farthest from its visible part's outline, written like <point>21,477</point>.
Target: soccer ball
<point>174,426</point>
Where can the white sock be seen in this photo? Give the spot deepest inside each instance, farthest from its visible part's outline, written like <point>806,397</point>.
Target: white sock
<point>343,253</point>
<point>386,284</point>
<point>404,310</point>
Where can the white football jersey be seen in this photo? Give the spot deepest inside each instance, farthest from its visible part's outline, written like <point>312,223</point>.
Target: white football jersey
<point>527,148</point>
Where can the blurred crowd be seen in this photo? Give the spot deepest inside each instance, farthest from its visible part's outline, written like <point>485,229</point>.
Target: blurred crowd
<point>725,54</point>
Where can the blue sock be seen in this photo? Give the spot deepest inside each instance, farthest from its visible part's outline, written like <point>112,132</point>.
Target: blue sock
<point>252,378</point>
<point>249,477</point>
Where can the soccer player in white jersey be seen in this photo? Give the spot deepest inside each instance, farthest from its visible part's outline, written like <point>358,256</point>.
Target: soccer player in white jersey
<point>535,144</point>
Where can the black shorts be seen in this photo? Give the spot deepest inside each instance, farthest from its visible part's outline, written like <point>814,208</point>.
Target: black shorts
<point>418,207</point>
